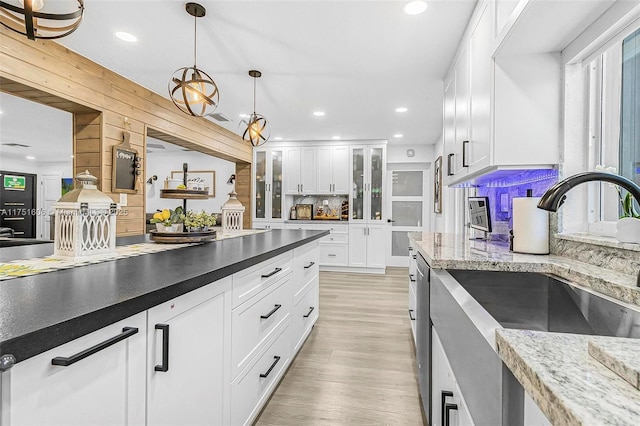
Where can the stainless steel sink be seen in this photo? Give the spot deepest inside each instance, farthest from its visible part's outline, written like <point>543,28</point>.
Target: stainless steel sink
<point>539,302</point>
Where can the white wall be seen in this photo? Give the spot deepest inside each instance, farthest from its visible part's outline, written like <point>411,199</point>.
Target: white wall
<point>398,153</point>
<point>162,163</point>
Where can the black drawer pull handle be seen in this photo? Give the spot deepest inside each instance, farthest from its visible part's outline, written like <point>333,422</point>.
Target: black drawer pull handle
<point>67,361</point>
<point>412,278</point>
<point>309,313</point>
<point>264,375</point>
<point>447,409</point>
<point>272,312</point>
<point>270,274</point>
<point>443,399</point>
<point>411,317</point>
<point>414,256</point>
<point>464,153</point>
<point>310,265</point>
<point>164,367</point>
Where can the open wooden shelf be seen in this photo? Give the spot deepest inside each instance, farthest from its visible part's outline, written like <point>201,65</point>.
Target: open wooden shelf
<point>184,194</point>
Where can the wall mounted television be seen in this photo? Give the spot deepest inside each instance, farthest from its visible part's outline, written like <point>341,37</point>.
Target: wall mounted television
<point>479,214</point>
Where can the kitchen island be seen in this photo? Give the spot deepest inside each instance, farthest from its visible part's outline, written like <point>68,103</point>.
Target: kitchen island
<point>239,280</point>
<point>561,380</point>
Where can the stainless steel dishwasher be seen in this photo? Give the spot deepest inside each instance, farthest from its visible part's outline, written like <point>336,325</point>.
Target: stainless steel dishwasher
<point>423,333</point>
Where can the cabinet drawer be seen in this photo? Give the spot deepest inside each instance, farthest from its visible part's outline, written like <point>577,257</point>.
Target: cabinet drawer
<point>334,254</point>
<point>335,239</point>
<point>253,322</point>
<point>304,315</point>
<point>306,262</point>
<point>251,390</point>
<point>252,281</point>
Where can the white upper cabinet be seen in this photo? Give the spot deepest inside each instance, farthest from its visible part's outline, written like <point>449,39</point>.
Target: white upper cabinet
<point>502,111</point>
<point>333,170</point>
<point>300,170</point>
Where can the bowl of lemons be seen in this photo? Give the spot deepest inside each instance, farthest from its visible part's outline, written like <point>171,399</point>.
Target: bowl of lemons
<point>169,220</point>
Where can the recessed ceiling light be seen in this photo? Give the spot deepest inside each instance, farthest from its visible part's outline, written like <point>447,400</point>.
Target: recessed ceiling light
<point>318,113</point>
<point>398,135</point>
<point>277,138</point>
<point>30,157</point>
<point>129,38</point>
<point>415,7</point>
<point>244,115</point>
<point>335,138</point>
<point>71,156</point>
<point>402,109</point>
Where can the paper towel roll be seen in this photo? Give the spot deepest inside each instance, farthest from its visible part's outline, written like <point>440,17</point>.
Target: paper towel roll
<point>530,226</point>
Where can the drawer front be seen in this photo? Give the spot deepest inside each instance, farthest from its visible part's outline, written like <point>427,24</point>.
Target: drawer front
<point>307,226</point>
<point>252,281</point>
<point>305,313</point>
<point>412,311</point>
<point>334,254</point>
<point>333,228</point>
<point>250,391</point>
<point>254,322</point>
<point>335,239</point>
<point>306,263</point>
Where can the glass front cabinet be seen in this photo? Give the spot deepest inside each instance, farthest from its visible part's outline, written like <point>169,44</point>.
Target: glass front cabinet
<point>268,183</point>
<point>368,177</point>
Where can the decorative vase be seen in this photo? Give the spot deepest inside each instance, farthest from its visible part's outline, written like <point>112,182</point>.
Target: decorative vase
<point>176,227</point>
<point>628,230</point>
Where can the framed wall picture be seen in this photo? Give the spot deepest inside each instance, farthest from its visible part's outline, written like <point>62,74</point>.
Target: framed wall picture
<point>199,180</point>
<point>437,185</point>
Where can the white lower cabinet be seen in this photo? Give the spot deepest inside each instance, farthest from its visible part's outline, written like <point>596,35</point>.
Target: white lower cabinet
<point>104,388</point>
<point>367,246</point>
<point>448,407</point>
<point>212,356</point>
<point>185,363</point>
<point>253,386</point>
<point>267,225</point>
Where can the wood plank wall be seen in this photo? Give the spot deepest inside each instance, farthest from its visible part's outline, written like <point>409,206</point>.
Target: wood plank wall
<point>49,73</point>
<point>243,188</point>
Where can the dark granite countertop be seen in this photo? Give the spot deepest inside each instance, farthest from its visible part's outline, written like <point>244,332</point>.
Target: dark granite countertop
<point>40,312</point>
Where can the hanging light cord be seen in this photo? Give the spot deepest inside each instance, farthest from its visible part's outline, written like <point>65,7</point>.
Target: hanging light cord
<point>195,38</point>
<point>254,95</point>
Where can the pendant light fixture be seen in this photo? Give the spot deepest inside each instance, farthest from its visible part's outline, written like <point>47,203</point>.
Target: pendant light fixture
<point>192,90</point>
<point>45,19</point>
<point>258,129</point>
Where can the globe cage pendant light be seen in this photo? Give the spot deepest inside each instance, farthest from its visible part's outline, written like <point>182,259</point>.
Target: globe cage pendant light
<point>192,90</point>
<point>258,129</point>
<point>42,19</point>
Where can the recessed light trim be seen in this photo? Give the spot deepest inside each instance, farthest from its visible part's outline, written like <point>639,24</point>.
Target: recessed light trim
<point>336,138</point>
<point>277,138</point>
<point>402,109</point>
<point>243,115</point>
<point>128,37</point>
<point>30,157</point>
<point>398,135</point>
<point>415,7</point>
<point>319,113</point>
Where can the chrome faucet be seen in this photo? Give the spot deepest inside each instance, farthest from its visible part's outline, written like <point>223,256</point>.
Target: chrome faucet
<point>554,197</point>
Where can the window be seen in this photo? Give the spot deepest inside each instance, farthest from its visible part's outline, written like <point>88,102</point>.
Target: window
<point>614,121</point>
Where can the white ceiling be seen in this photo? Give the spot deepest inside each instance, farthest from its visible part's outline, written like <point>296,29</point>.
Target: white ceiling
<point>356,60</point>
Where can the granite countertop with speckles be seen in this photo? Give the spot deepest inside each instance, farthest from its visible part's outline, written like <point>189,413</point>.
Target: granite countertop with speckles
<point>450,251</point>
<point>569,385</point>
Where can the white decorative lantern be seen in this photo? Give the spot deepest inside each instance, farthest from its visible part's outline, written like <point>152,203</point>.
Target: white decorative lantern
<point>232,213</point>
<point>85,221</point>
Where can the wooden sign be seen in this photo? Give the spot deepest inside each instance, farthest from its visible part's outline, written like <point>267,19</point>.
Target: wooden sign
<point>126,167</point>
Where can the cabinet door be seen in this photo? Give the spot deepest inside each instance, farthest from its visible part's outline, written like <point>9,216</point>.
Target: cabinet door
<point>106,388</point>
<point>462,111</point>
<point>357,245</point>
<point>308,172</point>
<point>324,172</point>
<point>376,246</point>
<point>376,166</point>
<point>478,149</point>
<point>186,365</point>
<point>449,124</point>
<point>275,187</point>
<point>260,211</point>
<point>292,178</point>
<point>340,165</point>
<point>358,184</point>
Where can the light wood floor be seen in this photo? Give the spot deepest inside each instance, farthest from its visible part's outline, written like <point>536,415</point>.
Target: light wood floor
<point>357,366</point>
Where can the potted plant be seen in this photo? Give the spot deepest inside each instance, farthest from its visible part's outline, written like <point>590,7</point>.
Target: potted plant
<point>628,226</point>
<point>196,222</point>
<point>169,220</point>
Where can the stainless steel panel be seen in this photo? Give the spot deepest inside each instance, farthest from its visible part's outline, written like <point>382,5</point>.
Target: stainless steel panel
<point>423,333</point>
